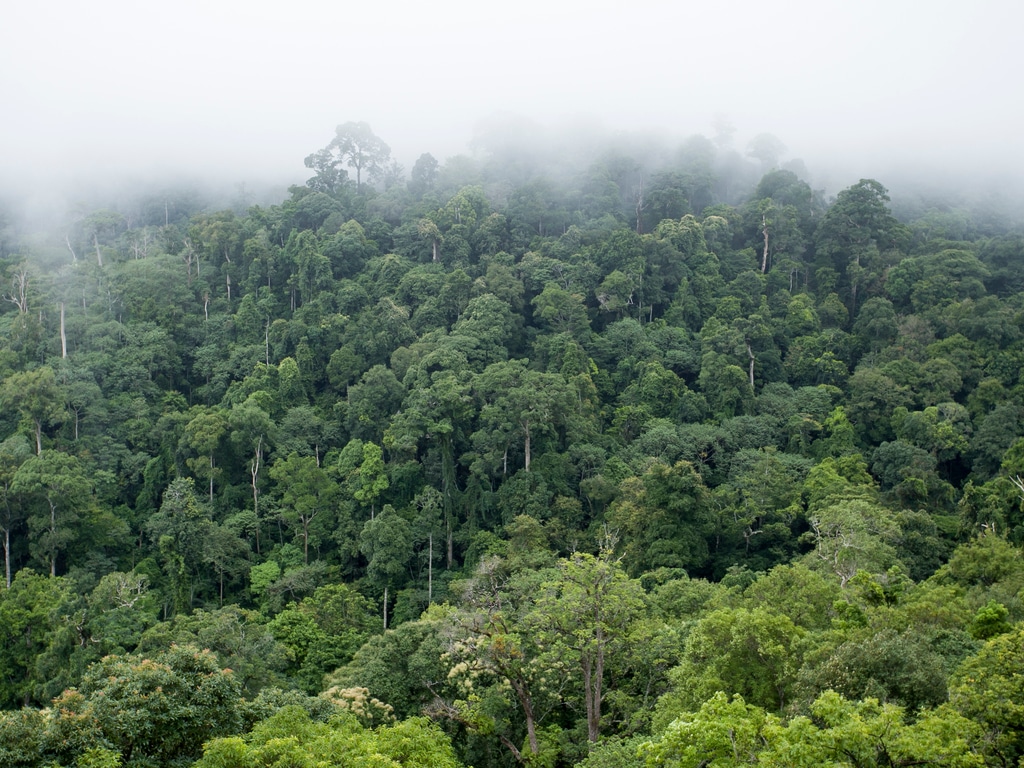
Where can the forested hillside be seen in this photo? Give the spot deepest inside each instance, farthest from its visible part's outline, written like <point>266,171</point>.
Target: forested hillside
<point>598,456</point>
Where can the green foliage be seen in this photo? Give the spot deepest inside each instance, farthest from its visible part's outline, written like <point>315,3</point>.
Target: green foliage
<point>750,652</point>
<point>290,737</point>
<point>308,496</point>
<point>398,666</point>
<point>239,638</point>
<point>30,619</point>
<point>663,517</point>
<point>990,621</point>
<point>904,668</point>
<point>583,617</point>
<point>35,396</point>
<point>731,733</point>
<point>57,491</point>
<point>850,536</point>
<point>987,689</point>
<point>466,388</point>
<point>159,709</point>
<point>179,530</point>
<point>322,632</point>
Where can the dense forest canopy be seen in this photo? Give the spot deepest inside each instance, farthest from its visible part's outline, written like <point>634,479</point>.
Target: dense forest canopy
<point>601,455</point>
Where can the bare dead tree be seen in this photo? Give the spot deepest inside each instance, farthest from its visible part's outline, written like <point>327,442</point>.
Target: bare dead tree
<point>1019,483</point>
<point>19,290</point>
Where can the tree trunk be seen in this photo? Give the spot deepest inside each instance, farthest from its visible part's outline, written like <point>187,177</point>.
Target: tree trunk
<point>531,725</point>
<point>449,484</point>
<point>53,532</point>
<point>20,296</point>
<point>592,698</point>
<point>63,334</point>
<point>254,470</point>
<point>526,447</point>
<point>640,209</point>
<point>450,541</point>
<point>764,255</point>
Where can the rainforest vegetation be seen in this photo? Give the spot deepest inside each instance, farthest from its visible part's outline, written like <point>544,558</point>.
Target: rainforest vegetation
<point>634,455</point>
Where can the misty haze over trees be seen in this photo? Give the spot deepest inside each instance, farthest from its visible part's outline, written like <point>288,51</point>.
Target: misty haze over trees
<point>572,450</point>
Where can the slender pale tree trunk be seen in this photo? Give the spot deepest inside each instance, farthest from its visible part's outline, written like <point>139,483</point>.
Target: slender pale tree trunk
<point>254,470</point>
<point>764,254</point>
<point>53,533</point>
<point>593,678</point>
<point>7,555</point>
<point>63,334</point>
<point>526,447</point>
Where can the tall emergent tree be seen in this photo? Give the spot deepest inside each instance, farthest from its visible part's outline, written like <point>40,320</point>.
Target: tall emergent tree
<point>584,614</point>
<point>362,149</point>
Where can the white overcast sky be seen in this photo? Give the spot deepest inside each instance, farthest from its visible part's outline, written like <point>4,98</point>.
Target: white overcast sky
<point>248,89</point>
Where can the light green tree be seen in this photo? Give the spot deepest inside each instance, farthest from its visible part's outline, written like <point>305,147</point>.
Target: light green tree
<point>583,616</point>
<point>750,652</point>
<point>988,688</point>
<point>160,709</point>
<point>852,535</point>
<point>729,733</point>
<point>290,737</point>
<point>488,639</point>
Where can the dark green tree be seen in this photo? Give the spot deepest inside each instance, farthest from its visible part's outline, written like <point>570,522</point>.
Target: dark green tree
<point>58,492</point>
<point>307,498</point>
